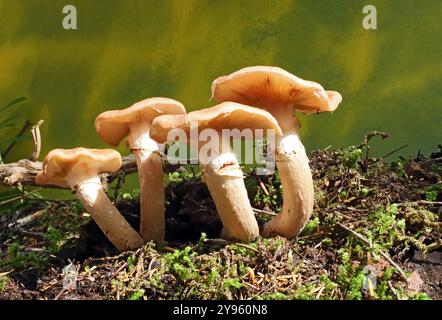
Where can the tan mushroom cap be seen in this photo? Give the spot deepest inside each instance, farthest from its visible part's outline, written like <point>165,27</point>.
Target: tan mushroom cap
<point>59,162</point>
<point>112,126</point>
<point>226,115</point>
<point>270,87</point>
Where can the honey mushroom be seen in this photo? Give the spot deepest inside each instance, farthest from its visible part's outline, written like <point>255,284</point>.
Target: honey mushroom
<point>282,93</point>
<point>135,122</point>
<point>221,171</point>
<point>79,170</point>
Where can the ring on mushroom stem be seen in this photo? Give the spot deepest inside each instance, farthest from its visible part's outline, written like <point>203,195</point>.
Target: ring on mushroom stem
<point>221,171</point>
<point>281,93</point>
<point>78,169</point>
<point>134,122</point>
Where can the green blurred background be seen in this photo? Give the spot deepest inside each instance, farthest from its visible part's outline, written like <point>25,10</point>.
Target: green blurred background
<point>124,51</point>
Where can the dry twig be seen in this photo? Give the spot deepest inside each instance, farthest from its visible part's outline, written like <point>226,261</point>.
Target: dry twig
<point>36,137</point>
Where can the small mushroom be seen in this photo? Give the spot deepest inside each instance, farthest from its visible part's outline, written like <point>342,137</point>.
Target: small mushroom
<point>134,122</point>
<point>79,170</point>
<point>281,93</point>
<point>221,171</point>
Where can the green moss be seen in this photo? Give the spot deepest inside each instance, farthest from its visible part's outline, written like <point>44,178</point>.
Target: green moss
<point>3,283</point>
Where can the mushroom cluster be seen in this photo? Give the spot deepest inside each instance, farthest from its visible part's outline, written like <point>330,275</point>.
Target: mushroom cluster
<point>221,171</point>
<point>282,93</point>
<point>135,122</point>
<point>251,98</point>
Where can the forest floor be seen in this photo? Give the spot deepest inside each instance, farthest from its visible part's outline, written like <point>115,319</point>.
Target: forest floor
<point>375,234</point>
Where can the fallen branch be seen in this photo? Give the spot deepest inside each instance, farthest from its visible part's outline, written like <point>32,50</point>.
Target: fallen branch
<point>26,220</point>
<point>431,160</point>
<point>265,212</point>
<point>24,172</point>
<point>262,185</point>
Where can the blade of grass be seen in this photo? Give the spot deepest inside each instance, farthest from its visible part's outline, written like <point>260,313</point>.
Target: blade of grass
<point>7,121</point>
<point>8,125</point>
<point>12,103</point>
<point>8,149</point>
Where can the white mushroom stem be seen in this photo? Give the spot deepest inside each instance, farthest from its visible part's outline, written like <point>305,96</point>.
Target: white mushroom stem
<point>90,192</point>
<point>150,170</point>
<point>224,179</point>
<point>296,180</point>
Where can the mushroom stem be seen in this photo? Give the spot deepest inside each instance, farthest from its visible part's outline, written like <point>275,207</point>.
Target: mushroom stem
<point>150,170</point>
<point>296,180</point>
<point>150,167</point>
<point>224,179</point>
<point>91,194</point>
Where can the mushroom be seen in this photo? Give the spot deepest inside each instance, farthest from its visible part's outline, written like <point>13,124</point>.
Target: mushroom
<point>134,122</point>
<point>221,171</point>
<point>281,93</point>
<point>79,170</point>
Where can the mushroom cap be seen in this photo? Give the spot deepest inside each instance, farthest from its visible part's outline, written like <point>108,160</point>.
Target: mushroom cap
<point>271,87</point>
<point>112,126</point>
<point>59,162</point>
<point>226,115</point>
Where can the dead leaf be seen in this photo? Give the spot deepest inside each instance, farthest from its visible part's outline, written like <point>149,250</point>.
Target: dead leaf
<point>415,281</point>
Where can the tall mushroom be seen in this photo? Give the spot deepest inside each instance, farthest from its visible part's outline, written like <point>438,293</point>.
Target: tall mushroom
<point>282,93</point>
<point>221,171</point>
<point>78,169</point>
<point>134,122</point>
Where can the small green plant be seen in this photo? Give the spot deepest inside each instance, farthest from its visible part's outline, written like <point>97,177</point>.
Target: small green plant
<point>131,262</point>
<point>311,227</point>
<point>386,227</point>
<point>419,296</point>
<point>264,192</point>
<point>329,286</point>
<point>176,178</point>
<point>213,276</point>
<point>3,283</point>
<point>129,196</point>
<point>400,168</point>
<point>274,296</point>
<point>382,288</point>
<point>343,194</point>
<point>180,262</point>
<point>137,295</point>
<point>59,230</point>
<point>232,284</point>
<point>431,195</point>
<point>19,259</point>
<point>326,242</point>
<point>54,238</point>
<point>351,157</point>
<point>263,200</point>
<point>364,192</point>
<point>305,292</point>
<point>355,286</point>
<point>203,239</point>
<point>350,276</point>
<point>244,251</point>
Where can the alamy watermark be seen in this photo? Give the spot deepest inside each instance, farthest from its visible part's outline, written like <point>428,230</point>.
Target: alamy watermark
<point>70,19</point>
<point>255,148</point>
<point>370,20</point>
